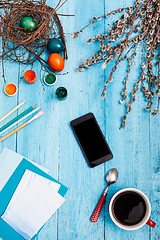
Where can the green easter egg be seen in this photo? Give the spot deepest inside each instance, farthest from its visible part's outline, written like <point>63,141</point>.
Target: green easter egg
<point>55,46</point>
<point>29,24</point>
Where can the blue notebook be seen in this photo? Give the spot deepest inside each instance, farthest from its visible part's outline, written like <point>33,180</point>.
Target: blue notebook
<point>6,232</point>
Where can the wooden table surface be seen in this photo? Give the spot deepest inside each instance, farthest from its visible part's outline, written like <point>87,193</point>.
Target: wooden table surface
<point>49,140</point>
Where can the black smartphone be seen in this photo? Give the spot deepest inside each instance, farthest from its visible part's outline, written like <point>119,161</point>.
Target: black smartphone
<point>91,140</point>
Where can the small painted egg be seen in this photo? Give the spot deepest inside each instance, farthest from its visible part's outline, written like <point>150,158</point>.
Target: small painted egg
<point>55,46</point>
<point>56,62</point>
<point>29,24</point>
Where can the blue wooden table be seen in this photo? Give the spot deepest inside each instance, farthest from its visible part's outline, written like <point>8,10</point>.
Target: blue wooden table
<point>49,140</point>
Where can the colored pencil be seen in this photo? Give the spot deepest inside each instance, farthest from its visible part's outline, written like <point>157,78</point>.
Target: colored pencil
<point>12,111</point>
<point>20,120</point>
<point>22,126</point>
<point>17,118</point>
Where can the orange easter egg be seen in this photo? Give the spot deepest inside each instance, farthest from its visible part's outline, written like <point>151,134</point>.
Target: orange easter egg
<point>56,62</point>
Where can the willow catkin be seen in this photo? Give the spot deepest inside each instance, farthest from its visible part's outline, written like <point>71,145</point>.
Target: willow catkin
<point>138,26</point>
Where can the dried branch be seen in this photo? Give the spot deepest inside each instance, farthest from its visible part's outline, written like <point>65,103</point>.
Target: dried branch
<point>138,24</point>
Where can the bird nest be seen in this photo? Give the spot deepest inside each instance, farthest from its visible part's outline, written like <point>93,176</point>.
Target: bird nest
<point>27,47</point>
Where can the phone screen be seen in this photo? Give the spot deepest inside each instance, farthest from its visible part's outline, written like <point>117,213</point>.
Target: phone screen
<point>91,139</point>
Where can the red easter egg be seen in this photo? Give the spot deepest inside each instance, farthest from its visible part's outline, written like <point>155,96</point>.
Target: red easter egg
<point>56,62</point>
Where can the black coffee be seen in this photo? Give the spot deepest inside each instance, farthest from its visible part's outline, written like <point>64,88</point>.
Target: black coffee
<point>129,208</point>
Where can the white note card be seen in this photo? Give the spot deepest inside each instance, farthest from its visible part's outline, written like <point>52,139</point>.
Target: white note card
<point>35,200</point>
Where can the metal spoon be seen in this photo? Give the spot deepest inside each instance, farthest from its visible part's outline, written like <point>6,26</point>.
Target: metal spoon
<point>111,178</point>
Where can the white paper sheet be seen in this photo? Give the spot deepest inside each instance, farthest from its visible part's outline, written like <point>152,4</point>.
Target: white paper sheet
<point>35,200</point>
<point>27,179</point>
<point>9,161</point>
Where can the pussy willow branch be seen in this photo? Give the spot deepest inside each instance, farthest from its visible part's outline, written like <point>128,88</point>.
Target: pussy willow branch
<point>139,23</point>
<point>117,62</point>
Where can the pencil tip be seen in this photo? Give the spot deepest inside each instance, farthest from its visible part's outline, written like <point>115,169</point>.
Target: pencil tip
<point>34,106</point>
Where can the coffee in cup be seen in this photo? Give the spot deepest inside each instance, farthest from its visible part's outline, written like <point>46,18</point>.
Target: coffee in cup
<point>130,209</point>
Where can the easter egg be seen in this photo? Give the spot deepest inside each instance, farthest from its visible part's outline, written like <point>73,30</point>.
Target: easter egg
<point>55,46</point>
<point>56,62</point>
<point>29,24</point>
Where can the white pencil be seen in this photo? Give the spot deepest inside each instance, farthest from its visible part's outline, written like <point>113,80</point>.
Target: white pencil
<point>22,126</point>
<point>26,116</point>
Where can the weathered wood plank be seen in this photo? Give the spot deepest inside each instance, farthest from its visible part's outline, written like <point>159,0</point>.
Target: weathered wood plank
<point>8,103</point>
<point>50,141</point>
<point>85,184</point>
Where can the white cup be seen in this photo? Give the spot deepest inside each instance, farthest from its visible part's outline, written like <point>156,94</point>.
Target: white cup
<point>144,221</point>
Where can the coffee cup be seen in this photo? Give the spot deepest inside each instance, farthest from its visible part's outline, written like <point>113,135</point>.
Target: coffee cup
<point>130,209</point>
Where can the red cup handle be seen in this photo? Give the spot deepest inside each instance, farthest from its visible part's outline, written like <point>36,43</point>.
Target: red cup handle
<point>151,223</point>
